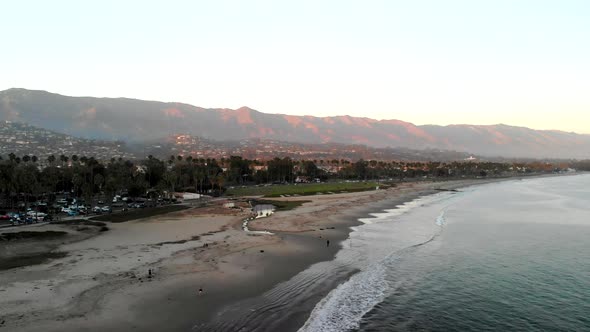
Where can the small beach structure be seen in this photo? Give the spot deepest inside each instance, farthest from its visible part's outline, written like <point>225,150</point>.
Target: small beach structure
<point>186,196</point>
<point>229,205</point>
<point>263,210</point>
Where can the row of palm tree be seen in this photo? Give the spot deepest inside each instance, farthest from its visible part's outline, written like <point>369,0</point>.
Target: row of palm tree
<point>24,177</point>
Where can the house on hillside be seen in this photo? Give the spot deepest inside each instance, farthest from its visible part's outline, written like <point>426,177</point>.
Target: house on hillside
<point>332,169</point>
<point>302,179</point>
<point>142,169</point>
<point>256,168</point>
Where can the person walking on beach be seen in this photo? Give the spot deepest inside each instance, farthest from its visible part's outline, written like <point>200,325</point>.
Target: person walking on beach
<point>327,243</point>
<point>200,291</point>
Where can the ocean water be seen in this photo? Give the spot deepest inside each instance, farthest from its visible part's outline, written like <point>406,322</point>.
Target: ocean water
<point>509,256</point>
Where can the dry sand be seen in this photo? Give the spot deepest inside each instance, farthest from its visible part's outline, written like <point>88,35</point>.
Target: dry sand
<point>103,282</point>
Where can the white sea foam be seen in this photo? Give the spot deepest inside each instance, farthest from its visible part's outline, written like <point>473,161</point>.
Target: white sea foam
<point>399,209</point>
<point>441,220</point>
<point>343,308</point>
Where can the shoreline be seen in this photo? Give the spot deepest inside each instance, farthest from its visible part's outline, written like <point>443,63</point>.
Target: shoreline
<point>336,227</point>
<point>218,257</point>
<point>345,220</point>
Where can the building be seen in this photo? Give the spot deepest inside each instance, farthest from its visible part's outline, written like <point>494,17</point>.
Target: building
<point>263,210</point>
<point>187,196</point>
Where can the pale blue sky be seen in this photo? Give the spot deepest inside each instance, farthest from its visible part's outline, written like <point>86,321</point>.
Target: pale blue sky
<point>482,62</point>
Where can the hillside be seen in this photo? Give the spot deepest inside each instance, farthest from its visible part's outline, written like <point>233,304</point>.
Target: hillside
<point>23,139</point>
<point>138,121</point>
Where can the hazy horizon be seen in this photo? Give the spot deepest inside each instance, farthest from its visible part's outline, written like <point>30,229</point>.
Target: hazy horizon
<point>520,64</point>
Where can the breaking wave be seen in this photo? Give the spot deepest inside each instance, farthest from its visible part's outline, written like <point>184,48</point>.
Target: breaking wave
<point>344,307</point>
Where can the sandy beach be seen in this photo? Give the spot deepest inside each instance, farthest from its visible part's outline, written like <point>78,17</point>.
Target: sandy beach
<point>103,282</point>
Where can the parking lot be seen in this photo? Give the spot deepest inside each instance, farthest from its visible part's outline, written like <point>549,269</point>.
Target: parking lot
<point>71,208</point>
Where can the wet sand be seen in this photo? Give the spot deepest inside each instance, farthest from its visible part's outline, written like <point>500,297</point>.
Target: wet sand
<point>103,283</point>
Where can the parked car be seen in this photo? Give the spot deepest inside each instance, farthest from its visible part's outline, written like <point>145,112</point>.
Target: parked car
<point>106,209</point>
<point>36,214</point>
<point>72,213</point>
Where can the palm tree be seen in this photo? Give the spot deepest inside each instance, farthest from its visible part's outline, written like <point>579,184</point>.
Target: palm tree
<point>170,179</point>
<point>26,179</point>
<point>7,180</point>
<point>99,181</point>
<point>199,177</point>
<point>77,182</point>
<point>219,179</point>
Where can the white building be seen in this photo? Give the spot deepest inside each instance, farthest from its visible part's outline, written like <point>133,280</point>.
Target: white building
<point>263,210</point>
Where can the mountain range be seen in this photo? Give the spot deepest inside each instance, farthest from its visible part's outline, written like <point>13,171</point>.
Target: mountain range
<point>135,120</point>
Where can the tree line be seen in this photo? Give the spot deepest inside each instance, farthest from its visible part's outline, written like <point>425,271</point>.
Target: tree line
<point>27,177</point>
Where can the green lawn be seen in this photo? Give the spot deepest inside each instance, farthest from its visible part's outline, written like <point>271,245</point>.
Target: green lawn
<point>281,205</point>
<point>302,189</point>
